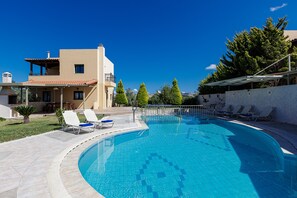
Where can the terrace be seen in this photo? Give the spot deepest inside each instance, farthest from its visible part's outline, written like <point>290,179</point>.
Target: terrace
<point>43,164</point>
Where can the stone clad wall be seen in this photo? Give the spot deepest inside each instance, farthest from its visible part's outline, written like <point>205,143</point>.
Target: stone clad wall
<point>212,99</point>
<point>283,98</point>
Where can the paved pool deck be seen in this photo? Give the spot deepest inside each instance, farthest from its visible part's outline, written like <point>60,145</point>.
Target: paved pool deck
<point>25,164</point>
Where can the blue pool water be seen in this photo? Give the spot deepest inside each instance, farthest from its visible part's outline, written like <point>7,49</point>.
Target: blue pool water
<point>190,157</point>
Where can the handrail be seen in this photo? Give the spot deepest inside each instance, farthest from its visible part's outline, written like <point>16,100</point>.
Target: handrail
<point>289,55</point>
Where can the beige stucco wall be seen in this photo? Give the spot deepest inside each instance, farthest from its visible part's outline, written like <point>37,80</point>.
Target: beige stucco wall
<point>108,66</point>
<point>68,58</point>
<point>96,65</point>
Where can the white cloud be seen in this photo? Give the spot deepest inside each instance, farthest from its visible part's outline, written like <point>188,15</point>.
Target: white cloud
<point>211,67</point>
<point>272,9</point>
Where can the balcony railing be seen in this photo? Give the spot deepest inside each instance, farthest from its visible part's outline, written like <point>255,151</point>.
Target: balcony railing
<point>110,77</point>
<point>38,74</point>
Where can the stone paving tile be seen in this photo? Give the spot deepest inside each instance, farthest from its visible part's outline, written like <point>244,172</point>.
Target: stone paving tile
<point>9,194</point>
<point>4,154</point>
<point>25,162</point>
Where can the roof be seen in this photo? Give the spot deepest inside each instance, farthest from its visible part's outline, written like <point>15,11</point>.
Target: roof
<point>244,80</point>
<point>43,61</point>
<point>53,83</point>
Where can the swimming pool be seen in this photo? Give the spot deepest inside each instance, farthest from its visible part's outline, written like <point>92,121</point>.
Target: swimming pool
<point>189,157</point>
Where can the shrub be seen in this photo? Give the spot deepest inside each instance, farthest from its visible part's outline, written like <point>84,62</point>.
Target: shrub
<point>142,96</point>
<point>59,114</point>
<point>121,97</point>
<point>2,119</point>
<point>25,111</point>
<point>176,97</point>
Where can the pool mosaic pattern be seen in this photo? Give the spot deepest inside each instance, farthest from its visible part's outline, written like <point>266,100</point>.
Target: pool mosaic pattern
<point>190,157</point>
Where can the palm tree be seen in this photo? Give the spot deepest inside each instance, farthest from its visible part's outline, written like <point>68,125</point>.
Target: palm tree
<point>25,111</point>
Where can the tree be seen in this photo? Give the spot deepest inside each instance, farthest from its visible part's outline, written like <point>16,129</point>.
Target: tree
<point>130,96</point>
<point>250,52</point>
<point>176,97</point>
<point>165,95</point>
<point>142,96</point>
<point>155,99</point>
<point>121,97</point>
<point>25,111</point>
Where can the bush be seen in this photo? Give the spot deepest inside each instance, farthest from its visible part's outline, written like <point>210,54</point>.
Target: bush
<point>2,119</point>
<point>121,97</point>
<point>25,111</point>
<point>176,97</point>
<point>142,96</point>
<point>59,115</point>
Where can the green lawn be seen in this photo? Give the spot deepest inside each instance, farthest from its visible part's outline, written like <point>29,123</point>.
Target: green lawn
<point>15,129</point>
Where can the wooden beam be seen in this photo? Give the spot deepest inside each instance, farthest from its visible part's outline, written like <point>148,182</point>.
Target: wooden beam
<point>27,96</point>
<point>61,98</point>
<point>31,68</point>
<point>84,97</point>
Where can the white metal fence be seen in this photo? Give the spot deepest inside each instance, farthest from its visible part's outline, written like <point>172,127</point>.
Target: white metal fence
<point>176,110</point>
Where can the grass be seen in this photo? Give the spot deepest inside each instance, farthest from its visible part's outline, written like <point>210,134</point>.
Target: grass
<point>12,129</point>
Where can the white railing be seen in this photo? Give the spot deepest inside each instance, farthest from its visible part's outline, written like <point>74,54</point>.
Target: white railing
<point>177,110</point>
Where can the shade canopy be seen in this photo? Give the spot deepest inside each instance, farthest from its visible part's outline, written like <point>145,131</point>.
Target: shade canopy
<point>244,80</point>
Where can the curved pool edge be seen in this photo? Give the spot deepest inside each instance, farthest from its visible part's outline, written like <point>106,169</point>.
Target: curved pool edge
<point>64,178</point>
<point>265,130</point>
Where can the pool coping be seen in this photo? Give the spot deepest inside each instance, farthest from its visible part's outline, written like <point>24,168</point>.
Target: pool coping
<point>67,181</point>
<point>64,178</point>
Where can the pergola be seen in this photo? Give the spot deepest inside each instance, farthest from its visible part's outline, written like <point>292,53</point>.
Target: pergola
<point>245,80</point>
<point>257,78</point>
<point>29,84</point>
<point>43,63</point>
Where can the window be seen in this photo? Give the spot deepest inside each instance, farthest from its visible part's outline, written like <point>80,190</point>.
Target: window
<point>79,69</point>
<point>78,95</point>
<point>46,96</point>
<point>12,99</point>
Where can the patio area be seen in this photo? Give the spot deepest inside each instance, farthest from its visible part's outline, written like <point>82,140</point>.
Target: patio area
<point>26,163</point>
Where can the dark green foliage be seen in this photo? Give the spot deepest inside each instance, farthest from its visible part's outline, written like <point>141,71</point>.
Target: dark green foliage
<point>142,96</point>
<point>2,119</point>
<point>190,100</point>
<point>59,115</point>
<point>250,52</point>
<point>120,97</point>
<point>176,97</point>
<point>165,95</point>
<point>130,96</point>
<point>155,99</point>
<point>25,111</point>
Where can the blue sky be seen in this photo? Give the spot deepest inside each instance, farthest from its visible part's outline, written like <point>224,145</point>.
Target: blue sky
<point>148,41</point>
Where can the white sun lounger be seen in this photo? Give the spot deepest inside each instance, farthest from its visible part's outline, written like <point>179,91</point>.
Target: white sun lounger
<point>224,110</point>
<point>92,118</point>
<point>264,115</point>
<point>246,110</point>
<point>234,111</point>
<point>72,121</point>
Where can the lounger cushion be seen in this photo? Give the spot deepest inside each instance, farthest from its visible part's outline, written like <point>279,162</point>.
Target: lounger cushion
<point>85,124</point>
<point>104,121</point>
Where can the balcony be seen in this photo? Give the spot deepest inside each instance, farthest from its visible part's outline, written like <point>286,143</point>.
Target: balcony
<point>110,80</point>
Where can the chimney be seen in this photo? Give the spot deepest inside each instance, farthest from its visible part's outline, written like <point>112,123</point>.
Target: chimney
<point>48,54</point>
<point>7,77</point>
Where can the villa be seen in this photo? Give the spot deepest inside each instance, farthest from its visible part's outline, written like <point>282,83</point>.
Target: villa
<point>77,79</point>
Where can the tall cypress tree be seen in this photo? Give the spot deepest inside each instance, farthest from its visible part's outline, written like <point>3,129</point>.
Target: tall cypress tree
<point>121,97</point>
<point>176,97</point>
<point>142,96</point>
